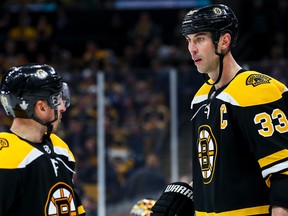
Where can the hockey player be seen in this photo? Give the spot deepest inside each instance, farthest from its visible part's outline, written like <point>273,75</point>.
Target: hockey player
<point>36,166</point>
<point>239,126</point>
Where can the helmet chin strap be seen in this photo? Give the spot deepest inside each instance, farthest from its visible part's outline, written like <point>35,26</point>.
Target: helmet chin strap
<point>215,38</point>
<point>47,124</point>
<point>206,77</point>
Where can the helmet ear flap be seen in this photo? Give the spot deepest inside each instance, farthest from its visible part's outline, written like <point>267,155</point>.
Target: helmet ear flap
<point>6,103</point>
<point>216,38</point>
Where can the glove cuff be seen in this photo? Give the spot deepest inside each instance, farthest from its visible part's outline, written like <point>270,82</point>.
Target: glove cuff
<point>177,198</point>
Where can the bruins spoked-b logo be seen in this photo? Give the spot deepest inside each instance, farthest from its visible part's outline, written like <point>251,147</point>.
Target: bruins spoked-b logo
<point>207,152</point>
<point>60,201</point>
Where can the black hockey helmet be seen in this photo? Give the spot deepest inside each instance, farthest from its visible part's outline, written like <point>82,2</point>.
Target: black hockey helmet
<point>22,86</point>
<point>217,19</point>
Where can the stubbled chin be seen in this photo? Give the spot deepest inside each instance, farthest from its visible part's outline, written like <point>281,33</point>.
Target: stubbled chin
<point>56,126</point>
<point>200,70</point>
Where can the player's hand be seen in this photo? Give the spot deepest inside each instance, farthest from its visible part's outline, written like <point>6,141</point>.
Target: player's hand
<point>176,199</point>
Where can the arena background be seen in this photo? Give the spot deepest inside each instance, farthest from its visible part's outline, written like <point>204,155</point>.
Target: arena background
<point>132,82</point>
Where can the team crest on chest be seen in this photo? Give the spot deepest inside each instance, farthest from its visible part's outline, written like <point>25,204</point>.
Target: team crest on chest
<point>60,201</point>
<point>207,152</point>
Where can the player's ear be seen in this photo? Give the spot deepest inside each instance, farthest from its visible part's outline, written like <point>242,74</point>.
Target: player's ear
<point>225,41</point>
<point>40,106</point>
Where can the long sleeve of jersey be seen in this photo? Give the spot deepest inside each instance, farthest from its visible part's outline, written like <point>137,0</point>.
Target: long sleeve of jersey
<point>263,122</point>
<point>36,179</point>
<point>240,146</point>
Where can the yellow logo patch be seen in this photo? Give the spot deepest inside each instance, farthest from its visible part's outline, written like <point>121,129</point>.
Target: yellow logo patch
<point>3,143</point>
<point>257,79</point>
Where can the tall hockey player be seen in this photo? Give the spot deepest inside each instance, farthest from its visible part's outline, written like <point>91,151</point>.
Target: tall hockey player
<point>36,166</point>
<point>239,126</point>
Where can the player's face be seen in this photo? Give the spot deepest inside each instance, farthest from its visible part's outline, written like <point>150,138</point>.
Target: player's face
<point>60,109</point>
<point>202,52</point>
<point>63,101</point>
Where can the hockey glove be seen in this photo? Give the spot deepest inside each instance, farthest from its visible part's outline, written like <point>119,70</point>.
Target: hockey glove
<point>176,199</point>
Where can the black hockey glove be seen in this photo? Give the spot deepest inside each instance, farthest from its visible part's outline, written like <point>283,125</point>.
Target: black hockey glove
<point>176,199</point>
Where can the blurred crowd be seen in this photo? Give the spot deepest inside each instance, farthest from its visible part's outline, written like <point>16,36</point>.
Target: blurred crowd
<point>136,51</point>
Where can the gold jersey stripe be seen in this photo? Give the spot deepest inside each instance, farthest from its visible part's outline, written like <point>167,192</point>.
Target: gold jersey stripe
<point>285,173</point>
<point>81,209</point>
<point>247,211</point>
<point>272,158</point>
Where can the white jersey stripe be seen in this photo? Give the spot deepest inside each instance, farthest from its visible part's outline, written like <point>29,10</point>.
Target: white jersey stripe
<point>278,167</point>
<point>34,154</point>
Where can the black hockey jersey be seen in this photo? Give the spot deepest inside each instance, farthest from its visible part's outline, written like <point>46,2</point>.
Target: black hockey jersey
<point>240,146</point>
<point>36,179</point>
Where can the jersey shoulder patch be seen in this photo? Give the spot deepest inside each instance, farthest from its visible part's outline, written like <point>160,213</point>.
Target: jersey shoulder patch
<point>252,88</point>
<point>14,152</point>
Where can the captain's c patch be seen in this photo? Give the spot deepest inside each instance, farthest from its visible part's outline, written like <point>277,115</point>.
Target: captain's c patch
<point>3,143</point>
<point>257,79</point>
